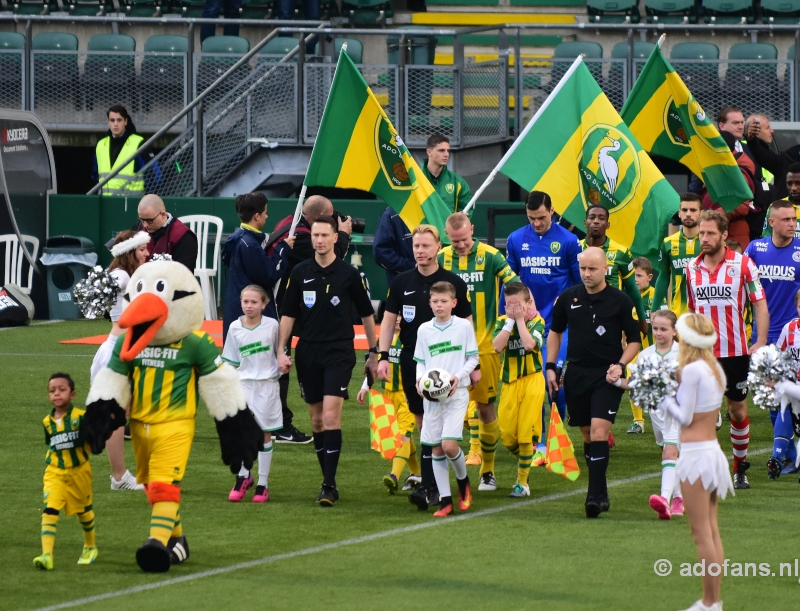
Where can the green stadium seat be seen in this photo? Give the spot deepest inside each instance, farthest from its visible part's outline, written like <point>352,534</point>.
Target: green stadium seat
<point>566,52</point>
<point>615,82</point>
<point>11,69</point>
<point>110,69</point>
<point>613,11</point>
<point>189,8</point>
<point>755,84</point>
<point>55,76</point>
<point>780,11</point>
<point>162,77</point>
<point>277,48</point>
<point>85,7</point>
<point>367,12</point>
<point>420,50</point>
<point>702,79</point>
<point>729,11</point>
<point>670,11</point>
<point>144,8</point>
<point>30,7</point>
<point>355,50</point>
<point>227,50</point>
<point>257,9</point>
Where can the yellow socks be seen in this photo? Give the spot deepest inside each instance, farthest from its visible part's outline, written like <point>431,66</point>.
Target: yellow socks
<point>163,520</point>
<point>524,462</point>
<point>638,416</point>
<point>177,530</point>
<point>474,427</point>
<point>413,460</point>
<point>49,527</point>
<point>489,434</point>
<point>401,459</point>
<point>87,522</point>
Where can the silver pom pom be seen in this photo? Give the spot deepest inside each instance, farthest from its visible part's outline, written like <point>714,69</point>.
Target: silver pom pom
<point>97,294</point>
<point>161,257</point>
<point>652,379</point>
<point>769,364</point>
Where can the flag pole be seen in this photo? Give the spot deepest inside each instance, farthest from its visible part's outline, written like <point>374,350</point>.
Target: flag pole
<point>661,40</point>
<point>528,127</point>
<point>299,210</point>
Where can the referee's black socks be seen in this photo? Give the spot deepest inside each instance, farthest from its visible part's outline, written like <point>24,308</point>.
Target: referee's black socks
<point>598,464</point>
<point>587,452</point>
<point>333,448</point>
<point>319,448</point>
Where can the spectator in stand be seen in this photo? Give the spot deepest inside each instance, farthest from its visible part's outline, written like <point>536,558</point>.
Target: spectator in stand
<point>168,235</point>
<point>212,9</point>
<point>739,229</point>
<point>392,248</point>
<point>765,153</point>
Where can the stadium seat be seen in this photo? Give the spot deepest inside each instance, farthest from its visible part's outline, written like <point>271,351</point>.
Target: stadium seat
<point>277,48</point>
<point>55,76</point>
<point>670,11</point>
<point>780,11</point>
<point>110,70</point>
<point>420,50</point>
<point>85,7</point>
<point>189,8</point>
<point>11,69</point>
<point>613,11</point>
<point>755,85</point>
<point>30,7</point>
<point>355,50</point>
<point>201,225</point>
<point>367,12</point>
<point>728,11</point>
<point>163,77</point>
<point>257,9</point>
<point>614,86</point>
<point>226,52</point>
<point>702,79</point>
<point>566,52</point>
<point>144,8</point>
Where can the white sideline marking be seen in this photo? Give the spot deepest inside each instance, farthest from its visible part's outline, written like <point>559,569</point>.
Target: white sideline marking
<point>345,543</point>
<point>33,324</point>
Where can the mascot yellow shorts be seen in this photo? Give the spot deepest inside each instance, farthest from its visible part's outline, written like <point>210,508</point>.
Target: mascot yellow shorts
<point>68,489</point>
<point>485,391</point>
<point>162,450</point>
<point>519,410</point>
<point>406,421</point>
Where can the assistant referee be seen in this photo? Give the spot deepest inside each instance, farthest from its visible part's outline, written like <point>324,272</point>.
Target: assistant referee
<point>409,297</point>
<point>321,293</point>
<point>599,318</point>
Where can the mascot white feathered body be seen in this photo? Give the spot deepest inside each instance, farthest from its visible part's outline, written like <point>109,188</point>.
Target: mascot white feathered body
<point>158,366</point>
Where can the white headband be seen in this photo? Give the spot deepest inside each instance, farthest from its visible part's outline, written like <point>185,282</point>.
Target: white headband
<point>130,244</point>
<point>692,337</point>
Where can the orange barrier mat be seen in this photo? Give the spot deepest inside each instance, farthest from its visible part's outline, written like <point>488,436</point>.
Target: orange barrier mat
<point>214,329</point>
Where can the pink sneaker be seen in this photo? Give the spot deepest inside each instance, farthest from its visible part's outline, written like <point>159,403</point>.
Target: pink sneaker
<point>660,505</point>
<point>261,495</point>
<point>677,506</point>
<point>242,485</point>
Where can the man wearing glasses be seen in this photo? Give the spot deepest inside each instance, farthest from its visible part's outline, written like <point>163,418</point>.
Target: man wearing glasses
<point>168,235</point>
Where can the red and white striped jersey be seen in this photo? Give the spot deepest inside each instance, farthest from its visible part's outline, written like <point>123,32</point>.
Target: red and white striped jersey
<point>722,295</point>
<point>790,340</point>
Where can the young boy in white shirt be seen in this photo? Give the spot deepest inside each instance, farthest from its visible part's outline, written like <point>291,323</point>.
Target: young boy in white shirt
<point>446,342</point>
<point>251,347</point>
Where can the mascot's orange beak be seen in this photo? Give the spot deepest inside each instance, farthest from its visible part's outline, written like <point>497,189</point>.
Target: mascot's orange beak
<point>143,318</point>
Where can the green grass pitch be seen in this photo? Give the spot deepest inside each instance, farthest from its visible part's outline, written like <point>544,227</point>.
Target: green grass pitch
<point>539,553</point>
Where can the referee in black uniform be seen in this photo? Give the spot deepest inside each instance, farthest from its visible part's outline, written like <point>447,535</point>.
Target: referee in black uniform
<point>321,293</point>
<point>599,318</point>
<point>409,298</point>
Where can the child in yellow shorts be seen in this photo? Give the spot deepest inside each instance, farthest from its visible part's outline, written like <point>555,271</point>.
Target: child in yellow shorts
<point>520,340</point>
<point>68,475</point>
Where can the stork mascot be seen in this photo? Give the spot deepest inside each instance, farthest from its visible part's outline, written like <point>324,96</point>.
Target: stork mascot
<point>158,365</point>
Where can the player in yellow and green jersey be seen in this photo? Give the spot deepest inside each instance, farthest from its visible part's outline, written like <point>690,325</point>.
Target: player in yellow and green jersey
<point>392,389</point>
<point>619,273</point>
<point>482,267</point>
<point>643,273</point>
<point>68,475</point>
<point>677,251</point>
<point>519,337</point>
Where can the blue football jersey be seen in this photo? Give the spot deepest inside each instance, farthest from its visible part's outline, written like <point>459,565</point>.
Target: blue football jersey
<point>779,269</point>
<point>547,264</point>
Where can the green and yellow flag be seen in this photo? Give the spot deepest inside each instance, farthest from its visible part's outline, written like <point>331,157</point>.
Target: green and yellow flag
<point>357,147</point>
<point>667,121</point>
<point>579,151</point>
<point>384,432</point>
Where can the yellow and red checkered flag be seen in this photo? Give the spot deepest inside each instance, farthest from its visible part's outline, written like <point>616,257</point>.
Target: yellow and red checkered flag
<point>560,453</point>
<point>384,434</point>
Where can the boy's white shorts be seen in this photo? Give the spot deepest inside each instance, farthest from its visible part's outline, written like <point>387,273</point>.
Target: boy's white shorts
<point>444,419</point>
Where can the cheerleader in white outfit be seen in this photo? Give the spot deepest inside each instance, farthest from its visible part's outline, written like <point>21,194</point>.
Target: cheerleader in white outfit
<point>129,251</point>
<point>702,468</point>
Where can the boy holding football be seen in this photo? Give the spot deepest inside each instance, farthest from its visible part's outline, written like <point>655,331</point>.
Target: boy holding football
<point>446,353</point>
<point>519,337</point>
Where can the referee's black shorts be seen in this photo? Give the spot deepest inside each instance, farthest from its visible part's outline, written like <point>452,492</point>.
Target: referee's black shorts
<point>324,368</point>
<point>588,395</point>
<point>736,369</point>
<point>408,371</point>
